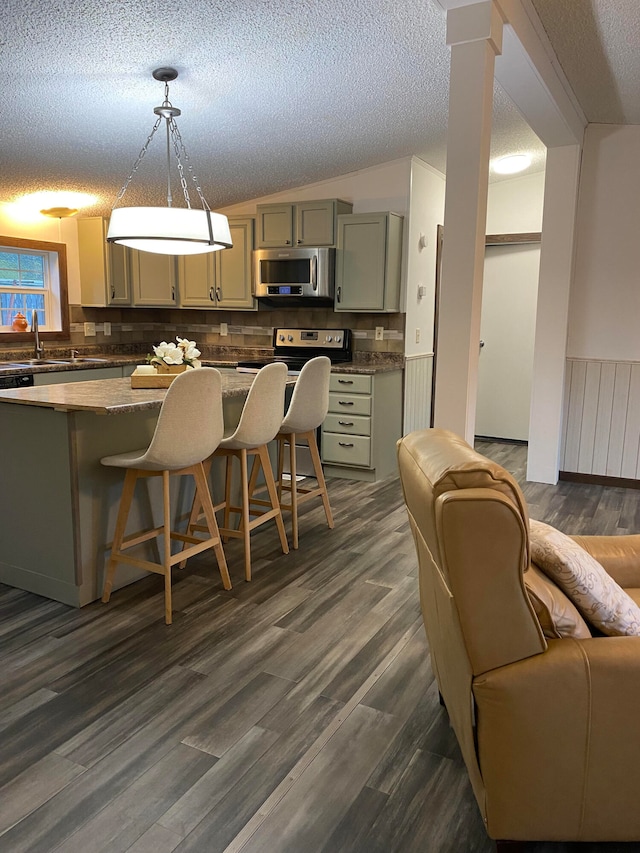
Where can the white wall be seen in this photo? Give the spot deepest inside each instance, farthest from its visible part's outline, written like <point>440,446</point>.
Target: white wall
<point>515,205</point>
<point>377,188</point>
<point>427,212</point>
<point>39,227</point>
<point>605,294</point>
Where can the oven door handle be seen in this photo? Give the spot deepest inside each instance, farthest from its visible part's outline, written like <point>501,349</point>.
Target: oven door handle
<point>314,272</point>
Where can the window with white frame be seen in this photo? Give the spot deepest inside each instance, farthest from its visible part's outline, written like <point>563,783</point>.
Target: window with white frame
<point>33,278</point>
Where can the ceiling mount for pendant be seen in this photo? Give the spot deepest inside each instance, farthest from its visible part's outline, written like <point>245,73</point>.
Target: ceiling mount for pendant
<point>169,230</point>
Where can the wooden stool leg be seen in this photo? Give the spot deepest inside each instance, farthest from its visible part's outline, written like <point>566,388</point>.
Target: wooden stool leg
<point>166,562</point>
<point>294,489</point>
<point>196,506</point>
<point>246,518</point>
<point>273,495</point>
<point>281,441</point>
<point>227,492</point>
<point>202,491</point>
<point>317,467</point>
<point>128,489</point>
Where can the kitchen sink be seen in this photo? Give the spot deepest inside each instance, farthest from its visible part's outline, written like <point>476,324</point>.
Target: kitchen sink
<point>30,362</point>
<point>80,360</point>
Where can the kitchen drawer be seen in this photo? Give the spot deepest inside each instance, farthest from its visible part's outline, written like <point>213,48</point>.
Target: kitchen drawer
<point>349,424</point>
<point>352,404</point>
<point>346,449</point>
<point>353,383</point>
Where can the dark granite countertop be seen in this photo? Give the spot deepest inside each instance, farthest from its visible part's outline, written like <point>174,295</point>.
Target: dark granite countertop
<point>99,360</point>
<point>111,396</point>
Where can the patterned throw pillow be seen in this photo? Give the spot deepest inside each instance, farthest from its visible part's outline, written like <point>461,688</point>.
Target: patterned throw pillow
<point>597,596</point>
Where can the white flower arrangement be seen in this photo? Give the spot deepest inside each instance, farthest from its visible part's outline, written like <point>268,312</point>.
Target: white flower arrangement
<point>184,352</point>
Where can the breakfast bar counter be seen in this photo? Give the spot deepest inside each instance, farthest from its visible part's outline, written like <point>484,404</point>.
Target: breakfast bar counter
<point>58,503</point>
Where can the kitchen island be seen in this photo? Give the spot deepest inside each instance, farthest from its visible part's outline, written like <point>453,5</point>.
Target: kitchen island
<point>58,504</point>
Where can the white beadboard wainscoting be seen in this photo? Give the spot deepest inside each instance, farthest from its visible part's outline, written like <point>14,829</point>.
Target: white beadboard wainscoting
<point>418,373</point>
<point>602,418</point>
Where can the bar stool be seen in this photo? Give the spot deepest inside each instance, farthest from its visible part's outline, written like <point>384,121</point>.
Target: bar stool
<point>259,422</point>
<point>189,428</point>
<point>307,410</point>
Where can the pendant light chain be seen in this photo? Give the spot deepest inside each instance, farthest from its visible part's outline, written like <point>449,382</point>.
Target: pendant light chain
<point>179,149</point>
<point>180,152</point>
<point>143,151</point>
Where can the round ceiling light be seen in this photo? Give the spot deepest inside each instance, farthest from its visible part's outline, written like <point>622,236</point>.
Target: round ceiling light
<point>511,164</point>
<point>54,200</point>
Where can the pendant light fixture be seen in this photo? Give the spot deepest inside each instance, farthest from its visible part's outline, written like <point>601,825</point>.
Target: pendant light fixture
<point>169,230</point>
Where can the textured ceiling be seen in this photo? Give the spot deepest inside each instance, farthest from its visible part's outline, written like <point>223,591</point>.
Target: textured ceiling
<point>597,43</point>
<point>273,94</point>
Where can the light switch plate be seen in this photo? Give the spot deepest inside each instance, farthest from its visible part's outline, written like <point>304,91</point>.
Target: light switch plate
<point>89,330</point>
<point>106,328</point>
<point>379,333</point>
<point>224,330</point>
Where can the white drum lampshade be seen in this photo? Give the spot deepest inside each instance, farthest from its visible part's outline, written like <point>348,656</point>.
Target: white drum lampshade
<point>169,230</point>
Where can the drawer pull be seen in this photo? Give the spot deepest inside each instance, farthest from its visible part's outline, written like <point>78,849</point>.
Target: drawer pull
<point>345,444</point>
<point>345,402</point>
<point>345,381</point>
<point>345,423</point>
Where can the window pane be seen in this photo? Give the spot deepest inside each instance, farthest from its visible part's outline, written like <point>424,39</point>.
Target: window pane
<point>21,269</point>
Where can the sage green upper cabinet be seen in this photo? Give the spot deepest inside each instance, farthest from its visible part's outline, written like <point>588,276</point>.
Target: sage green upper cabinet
<point>153,278</point>
<point>368,262</point>
<point>104,267</point>
<point>306,223</point>
<point>195,280</point>
<point>233,269</point>
<point>220,279</point>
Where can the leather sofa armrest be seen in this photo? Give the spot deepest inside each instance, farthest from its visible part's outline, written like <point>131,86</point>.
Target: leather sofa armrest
<point>618,555</point>
<point>558,742</point>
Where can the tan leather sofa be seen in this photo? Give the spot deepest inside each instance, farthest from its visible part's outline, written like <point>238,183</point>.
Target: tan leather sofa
<point>549,728</point>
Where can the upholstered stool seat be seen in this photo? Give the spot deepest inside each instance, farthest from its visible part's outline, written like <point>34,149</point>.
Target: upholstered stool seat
<point>259,423</point>
<point>189,428</point>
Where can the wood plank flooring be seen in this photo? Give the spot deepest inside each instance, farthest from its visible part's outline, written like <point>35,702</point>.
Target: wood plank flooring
<point>295,713</point>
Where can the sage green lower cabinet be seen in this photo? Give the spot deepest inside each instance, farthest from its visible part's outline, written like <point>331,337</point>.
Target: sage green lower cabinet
<point>153,278</point>
<point>368,262</point>
<point>362,426</point>
<point>84,375</point>
<point>220,279</point>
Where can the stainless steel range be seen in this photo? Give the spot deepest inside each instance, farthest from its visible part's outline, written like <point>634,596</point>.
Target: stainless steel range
<point>295,347</point>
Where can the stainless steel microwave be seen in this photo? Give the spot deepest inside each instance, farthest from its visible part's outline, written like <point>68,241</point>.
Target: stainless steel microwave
<point>294,276</point>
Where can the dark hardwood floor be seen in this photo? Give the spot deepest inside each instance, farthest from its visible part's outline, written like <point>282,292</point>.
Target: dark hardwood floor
<point>294,714</point>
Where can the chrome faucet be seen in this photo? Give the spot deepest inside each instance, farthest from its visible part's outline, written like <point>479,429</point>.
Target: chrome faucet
<point>39,347</point>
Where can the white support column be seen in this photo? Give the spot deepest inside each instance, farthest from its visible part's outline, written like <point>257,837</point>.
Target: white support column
<point>475,35</point>
<point>556,261</point>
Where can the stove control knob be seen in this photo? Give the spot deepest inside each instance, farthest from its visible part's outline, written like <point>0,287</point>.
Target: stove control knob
<point>338,339</point>
<point>329,339</point>
<point>290,337</point>
<point>280,337</point>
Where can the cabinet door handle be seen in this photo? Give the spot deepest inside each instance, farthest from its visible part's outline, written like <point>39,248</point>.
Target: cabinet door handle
<point>338,294</point>
<point>113,293</point>
<point>345,443</point>
<point>287,242</point>
<point>345,381</point>
<point>345,423</point>
<point>345,402</point>
<point>299,242</point>
<point>218,294</point>
<point>173,292</point>
<point>212,295</point>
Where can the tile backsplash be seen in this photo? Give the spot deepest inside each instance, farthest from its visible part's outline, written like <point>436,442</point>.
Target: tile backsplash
<point>134,329</point>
